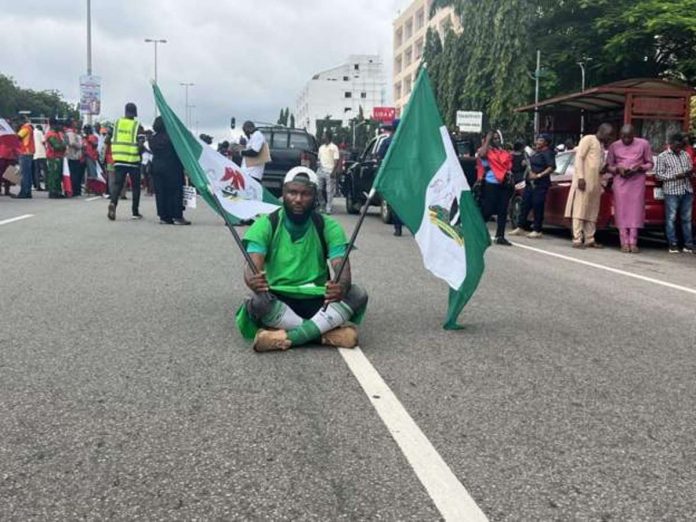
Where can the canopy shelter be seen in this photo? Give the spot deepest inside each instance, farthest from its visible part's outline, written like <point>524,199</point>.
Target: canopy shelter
<point>655,107</point>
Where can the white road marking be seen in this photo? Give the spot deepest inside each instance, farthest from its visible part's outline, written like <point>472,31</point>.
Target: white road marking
<point>449,495</point>
<point>609,269</point>
<point>94,198</point>
<point>18,218</point>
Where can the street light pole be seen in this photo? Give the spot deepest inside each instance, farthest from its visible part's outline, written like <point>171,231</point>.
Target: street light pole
<point>581,63</point>
<point>155,41</point>
<point>537,74</point>
<point>89,51</point>
<point>186,107</point>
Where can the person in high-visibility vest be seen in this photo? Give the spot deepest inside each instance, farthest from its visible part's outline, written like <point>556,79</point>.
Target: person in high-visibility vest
<point>126,155</point>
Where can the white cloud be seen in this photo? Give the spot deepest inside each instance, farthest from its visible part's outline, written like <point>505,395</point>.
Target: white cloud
<point>247,59</point>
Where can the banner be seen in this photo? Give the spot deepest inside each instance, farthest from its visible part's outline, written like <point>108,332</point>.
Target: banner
<point>90,94</point>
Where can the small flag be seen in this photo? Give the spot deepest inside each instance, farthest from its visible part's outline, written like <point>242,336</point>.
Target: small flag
<point>67,182</point>
<point>214,175</point>
<point>422,180</point>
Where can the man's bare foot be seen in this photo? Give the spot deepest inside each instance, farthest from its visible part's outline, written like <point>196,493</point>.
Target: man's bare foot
<point>271,341</point>
<point>342,337</point>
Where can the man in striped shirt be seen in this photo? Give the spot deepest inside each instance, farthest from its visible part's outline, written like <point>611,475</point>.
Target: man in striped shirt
<point>675,169</point>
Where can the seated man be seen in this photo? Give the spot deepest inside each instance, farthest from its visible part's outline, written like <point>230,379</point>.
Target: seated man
<point>294,301</point>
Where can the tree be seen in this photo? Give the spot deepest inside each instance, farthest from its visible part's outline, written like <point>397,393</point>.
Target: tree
<point>41,103</point>
<point>292,121</point>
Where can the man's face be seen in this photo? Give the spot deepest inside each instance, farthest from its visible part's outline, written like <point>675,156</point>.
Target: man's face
<point>248,130</point>
<point>540,144</point>
<point>627,138</point>
<point>298,197</point>
<point>326,139</point>
<point>604,134</point>
<point>677,146</point>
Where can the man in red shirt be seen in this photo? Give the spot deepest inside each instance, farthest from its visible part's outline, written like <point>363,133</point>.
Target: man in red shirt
<point>26,157</point>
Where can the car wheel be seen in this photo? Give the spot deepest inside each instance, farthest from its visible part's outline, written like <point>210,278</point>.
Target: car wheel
<point>514,211</point>
<point>351,207</point>
<point>385,212</point>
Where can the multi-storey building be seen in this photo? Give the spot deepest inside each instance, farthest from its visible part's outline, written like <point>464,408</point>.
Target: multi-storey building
<point>340,92</point>
<point>410,28</point>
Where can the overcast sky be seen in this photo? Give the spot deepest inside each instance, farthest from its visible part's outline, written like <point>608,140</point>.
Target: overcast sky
<point>247,59</point>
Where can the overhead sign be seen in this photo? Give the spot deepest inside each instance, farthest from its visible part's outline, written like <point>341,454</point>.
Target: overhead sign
<point>90,94</point>
<point>384,114</point>
<point>470,121</point>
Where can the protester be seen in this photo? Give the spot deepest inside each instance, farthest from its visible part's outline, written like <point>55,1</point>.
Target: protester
<point>329,162</point>
<point>124,149</point>
<point>91,156</point>
<point>628,160</point>
<point>496,183</point>
<point>290,248</point>
<point>256,154</point>
<point>146,162</point>
<point>541,165</point>
<point>675,169</point>
<point>40,168</point>
<point>586,190</point>
<point>55,152</point>
<point>26,158</point>
<point>75,160</point>
<point>168,176</point>
<point>9,153</point>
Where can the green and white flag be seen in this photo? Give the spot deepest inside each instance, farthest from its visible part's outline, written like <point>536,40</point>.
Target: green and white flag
<point>214,175</point>
<point>422,180</point>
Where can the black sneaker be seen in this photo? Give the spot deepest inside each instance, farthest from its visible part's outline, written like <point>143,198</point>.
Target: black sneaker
<point>181,221</point>
<point>673,249</point>
<point>688,250</point>
<point>166,222</point>
<point>502,241</point>
<point>136,216</point>
<point>112,212</point>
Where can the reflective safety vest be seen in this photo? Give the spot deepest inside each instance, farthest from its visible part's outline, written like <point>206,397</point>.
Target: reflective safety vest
<point>124,145</point>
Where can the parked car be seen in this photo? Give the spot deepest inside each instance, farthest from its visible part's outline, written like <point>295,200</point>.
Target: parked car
<point>357,178</point>
<point>561,179</point>
<point>289,148</point>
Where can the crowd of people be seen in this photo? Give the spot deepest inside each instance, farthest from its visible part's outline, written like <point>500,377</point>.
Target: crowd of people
<point>69,159</point>
<point>501,170</point>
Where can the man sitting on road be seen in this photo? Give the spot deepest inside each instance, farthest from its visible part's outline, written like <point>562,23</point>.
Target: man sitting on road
<point>294,300</point>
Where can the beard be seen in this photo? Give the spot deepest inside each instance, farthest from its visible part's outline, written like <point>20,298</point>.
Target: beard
<point>298,219</point>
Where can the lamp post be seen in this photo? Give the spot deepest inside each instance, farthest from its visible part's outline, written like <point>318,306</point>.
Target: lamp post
<point>155,41</point>
<point>89,50</point>
<point>186,108</point>
<point>582,63</point>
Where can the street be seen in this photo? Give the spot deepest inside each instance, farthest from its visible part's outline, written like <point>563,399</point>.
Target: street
<point>126,392</point>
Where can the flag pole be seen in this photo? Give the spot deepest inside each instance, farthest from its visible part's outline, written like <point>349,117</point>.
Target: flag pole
<point>233,230</point>
<point>351,243</point>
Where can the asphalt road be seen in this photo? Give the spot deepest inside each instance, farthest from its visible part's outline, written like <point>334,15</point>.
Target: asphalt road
<point>127,394</point>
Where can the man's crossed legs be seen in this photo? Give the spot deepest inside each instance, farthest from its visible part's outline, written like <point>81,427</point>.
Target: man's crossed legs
<point>291,322</point>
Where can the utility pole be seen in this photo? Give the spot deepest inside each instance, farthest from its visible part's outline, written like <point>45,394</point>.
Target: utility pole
<point>155,41</point>
<point>89,51</point>
<point>537,75</point>
<point>582,63</point>
<point>187,116</point>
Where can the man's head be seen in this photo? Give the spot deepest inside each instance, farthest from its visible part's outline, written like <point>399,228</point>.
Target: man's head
<point>604,132</point>
<point>542,141</point>
<point>628,132</point>
<point>299,193</point>
<point>87,130</point>
<point>327,138</point>
<point>131,110</point>
<point>39,127</point>
<point>676,142</point>
<point>249,128</point>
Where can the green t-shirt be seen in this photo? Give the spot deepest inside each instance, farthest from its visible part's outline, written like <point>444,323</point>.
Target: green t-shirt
<point>294,255</point>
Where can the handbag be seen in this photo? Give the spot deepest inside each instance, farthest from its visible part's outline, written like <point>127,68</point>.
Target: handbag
<point>12,174</point>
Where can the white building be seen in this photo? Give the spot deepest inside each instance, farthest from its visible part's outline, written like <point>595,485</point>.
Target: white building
<point>341,91</point>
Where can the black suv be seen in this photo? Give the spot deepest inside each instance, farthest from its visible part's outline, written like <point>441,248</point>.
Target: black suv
<point>289,148</point>
<point>357,177</point>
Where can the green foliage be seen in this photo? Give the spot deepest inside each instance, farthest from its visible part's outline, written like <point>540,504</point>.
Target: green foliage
<point>292,121</point>
<point>41,103</point>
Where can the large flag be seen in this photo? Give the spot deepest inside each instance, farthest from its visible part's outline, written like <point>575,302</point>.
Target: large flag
<point>213,175</point>
<point>422,180</point>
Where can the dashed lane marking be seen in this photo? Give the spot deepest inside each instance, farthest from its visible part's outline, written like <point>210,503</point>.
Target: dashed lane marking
<point>18,218</point>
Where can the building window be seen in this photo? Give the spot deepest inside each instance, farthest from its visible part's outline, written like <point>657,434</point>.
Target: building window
<point>346,78</point>
<point>348,95</point>
<point>407,57</point>
<point>407,84</point>
<point>356,67</point>
<point>420,19</point>
<point>418,49</point>
<point>397,91</point>
<point>409,29</point>
<point>363,95</point>
<point>397,64</point>
<point>399,37</point>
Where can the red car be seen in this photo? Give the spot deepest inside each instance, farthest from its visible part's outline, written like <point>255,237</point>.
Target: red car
<point>554,213</point>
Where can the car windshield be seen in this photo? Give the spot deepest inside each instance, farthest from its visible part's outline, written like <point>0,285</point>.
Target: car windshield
<point>562,162</point>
